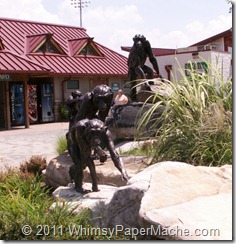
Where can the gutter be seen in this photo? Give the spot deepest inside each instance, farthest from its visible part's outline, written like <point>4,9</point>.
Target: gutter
<point>62,87</point>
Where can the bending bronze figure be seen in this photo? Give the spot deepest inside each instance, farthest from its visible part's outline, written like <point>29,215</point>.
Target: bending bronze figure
<point>95,104</point>
<point>84,137</point>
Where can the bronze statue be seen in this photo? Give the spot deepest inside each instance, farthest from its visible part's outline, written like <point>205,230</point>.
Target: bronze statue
<point>72,104</point>
<point>95,104</point>
<point>139,52</point>
<point>86,136</point>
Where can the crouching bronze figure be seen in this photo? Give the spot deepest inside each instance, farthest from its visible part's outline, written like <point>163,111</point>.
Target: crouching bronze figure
<point>85,139</point>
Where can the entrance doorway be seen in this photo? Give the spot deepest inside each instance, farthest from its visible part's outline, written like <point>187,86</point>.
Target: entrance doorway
<point>41,100</point>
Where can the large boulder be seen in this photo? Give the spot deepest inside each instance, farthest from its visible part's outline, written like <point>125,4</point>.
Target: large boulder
<point>57,172</point>
<point>123,121</point>
<point>168,200</point>
<point>150,91</point>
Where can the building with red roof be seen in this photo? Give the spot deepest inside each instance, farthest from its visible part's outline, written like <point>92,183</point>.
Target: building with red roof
<point>216,50</point>
<point>41,64</point>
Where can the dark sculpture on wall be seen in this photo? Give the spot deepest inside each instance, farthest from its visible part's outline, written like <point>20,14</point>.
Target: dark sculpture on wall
<point>140,50</point>
<point>85,136</point>
<point>95,104</point>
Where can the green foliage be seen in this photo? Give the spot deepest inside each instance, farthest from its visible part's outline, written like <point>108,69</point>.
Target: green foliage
<point>63,112</point>
<point>24,201</point>
<point>35,165</point>
<point>145,149</point>
<point>61,145</point>
<point>197,120</point>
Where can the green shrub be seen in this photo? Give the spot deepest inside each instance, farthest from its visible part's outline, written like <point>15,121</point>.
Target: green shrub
<point>23,201</point>
<point>145,149</point>
<point>63,112</point>
<point>197,121</point>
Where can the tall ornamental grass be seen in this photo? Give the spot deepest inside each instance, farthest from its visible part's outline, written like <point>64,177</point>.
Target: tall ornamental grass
<point>196,125</point>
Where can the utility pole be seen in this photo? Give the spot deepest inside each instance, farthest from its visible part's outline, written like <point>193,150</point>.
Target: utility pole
<point>80,4</point>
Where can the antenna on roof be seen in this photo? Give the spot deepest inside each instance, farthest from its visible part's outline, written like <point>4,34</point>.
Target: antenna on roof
<point>80,4</point>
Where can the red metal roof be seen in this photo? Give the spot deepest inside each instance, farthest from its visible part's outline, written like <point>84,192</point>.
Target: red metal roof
<point>1,45</point>
<point>32,41</point>
<point>12,63</point>
<point>76,44</point>
<point>163,51</point>
<point>21,37</point>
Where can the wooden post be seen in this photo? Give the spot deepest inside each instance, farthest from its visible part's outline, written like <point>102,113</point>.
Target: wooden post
<point>7,106</point>
<point>26,104</point>
<point>168,69</point>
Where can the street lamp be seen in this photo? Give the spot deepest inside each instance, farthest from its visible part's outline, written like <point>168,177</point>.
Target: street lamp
<point>80,4</point>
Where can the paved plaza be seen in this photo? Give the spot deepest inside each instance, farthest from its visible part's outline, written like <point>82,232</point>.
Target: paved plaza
<point>19,144</point>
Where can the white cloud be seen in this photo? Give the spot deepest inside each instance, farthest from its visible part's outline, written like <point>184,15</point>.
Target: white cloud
<point>197,31</point>
<point>125,22</point>
<point>191,33</point>
<point>115,26</point>
<point>26,10</point>
<point>220,23</point>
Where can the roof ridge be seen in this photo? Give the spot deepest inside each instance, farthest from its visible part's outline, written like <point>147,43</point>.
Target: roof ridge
<point>15,38</point>
<point>41,23</point>
<point>39,34</point>
<point>81,38</point>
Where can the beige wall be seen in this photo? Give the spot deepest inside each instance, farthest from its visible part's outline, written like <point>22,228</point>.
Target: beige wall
<point>217,58</point>
<point>62,93</point>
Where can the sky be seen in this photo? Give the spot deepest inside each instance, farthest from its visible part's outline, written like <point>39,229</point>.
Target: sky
<point>113,23</point>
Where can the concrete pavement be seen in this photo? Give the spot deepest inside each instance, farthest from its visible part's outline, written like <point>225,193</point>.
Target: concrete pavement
<point>19,144</point>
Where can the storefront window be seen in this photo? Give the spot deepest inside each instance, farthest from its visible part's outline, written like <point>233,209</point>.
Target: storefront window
<point>72,84</point>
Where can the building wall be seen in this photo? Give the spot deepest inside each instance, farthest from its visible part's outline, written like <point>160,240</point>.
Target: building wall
<point>61,91</point>
<point>222,60</point>
<point>219,44</point>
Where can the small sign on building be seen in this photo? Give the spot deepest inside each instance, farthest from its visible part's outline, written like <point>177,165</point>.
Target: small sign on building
<point>5,77</point>
<point>115,86</point>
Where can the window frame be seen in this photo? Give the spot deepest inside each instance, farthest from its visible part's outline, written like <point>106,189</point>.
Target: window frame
<point>73,88</point>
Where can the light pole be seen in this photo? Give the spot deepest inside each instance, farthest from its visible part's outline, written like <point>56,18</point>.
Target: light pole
<point>80,4</point>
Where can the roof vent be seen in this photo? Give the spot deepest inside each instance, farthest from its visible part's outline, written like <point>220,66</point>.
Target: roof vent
<point>42,43</point>
<point>84,47</point>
